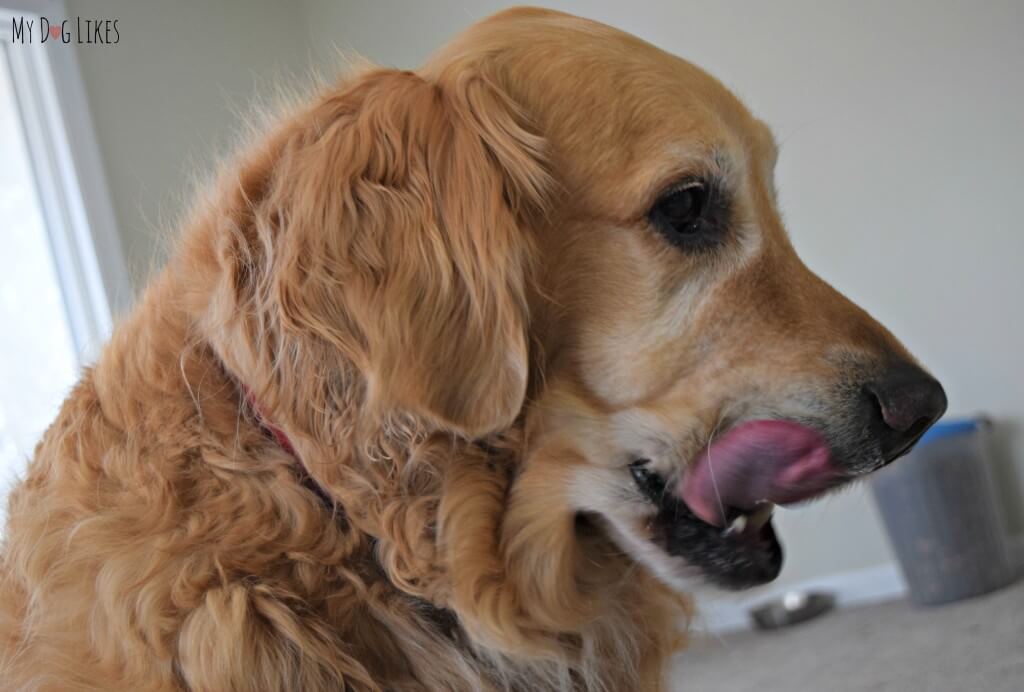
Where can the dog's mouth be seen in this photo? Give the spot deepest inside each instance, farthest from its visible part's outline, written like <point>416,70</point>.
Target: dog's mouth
<point>717,517</point>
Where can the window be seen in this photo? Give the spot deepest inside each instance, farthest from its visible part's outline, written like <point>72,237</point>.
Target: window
<point>62,274</point>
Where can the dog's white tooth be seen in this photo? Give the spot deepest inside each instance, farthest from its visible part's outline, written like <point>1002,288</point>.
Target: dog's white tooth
<point>738,525</point>
<point>761,516</point>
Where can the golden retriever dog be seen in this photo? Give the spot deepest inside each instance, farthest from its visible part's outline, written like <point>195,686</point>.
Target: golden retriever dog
<point>460,379</point>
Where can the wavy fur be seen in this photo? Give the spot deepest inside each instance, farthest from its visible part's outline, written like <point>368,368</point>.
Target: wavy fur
<point>365,270</point>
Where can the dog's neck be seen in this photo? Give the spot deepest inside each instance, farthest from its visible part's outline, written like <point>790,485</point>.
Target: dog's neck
<point>281,438</point>
<point>274,431</point>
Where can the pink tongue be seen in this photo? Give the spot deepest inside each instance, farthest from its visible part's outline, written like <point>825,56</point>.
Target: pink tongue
<point>774,460</point>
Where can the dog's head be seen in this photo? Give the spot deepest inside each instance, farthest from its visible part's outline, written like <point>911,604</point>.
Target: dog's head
<point>558,224</point>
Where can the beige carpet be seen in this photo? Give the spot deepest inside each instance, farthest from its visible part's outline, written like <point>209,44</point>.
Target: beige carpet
<point>971,646</point>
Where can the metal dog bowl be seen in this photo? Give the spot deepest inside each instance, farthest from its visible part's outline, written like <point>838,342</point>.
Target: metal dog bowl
<point>793,608</point>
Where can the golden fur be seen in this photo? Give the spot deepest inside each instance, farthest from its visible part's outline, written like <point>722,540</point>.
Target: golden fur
<point>440,284</point>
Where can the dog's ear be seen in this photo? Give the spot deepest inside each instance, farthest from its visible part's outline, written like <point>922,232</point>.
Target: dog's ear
<point>413,254</point>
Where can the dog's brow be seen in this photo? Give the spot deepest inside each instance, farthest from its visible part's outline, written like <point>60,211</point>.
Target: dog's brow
<point>686,159</point>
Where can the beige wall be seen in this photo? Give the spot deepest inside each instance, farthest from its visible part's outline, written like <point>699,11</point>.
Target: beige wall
<point>900,173</point>
<point>170,97</point>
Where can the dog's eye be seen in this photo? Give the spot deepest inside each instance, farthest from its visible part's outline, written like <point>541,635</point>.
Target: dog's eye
<point>684,215</point>
<point>682,209</point>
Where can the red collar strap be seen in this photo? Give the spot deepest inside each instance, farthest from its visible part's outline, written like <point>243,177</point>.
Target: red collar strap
<point>282,439</point>
<point>272,430</point>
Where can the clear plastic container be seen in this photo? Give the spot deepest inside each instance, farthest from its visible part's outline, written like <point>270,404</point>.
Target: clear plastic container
<point>943,517</point>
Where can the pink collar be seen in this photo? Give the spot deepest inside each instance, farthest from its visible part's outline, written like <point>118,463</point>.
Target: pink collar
<point>283,441</point>
<point>279,435</point>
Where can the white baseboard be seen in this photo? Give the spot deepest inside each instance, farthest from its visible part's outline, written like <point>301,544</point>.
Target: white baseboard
<point>722,613</point>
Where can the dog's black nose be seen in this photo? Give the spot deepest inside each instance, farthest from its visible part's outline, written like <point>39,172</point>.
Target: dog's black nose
<point>907,401</point>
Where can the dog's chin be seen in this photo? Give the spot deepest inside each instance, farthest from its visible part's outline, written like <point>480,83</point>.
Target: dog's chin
<point>684,551</point>
<point>744,553</point>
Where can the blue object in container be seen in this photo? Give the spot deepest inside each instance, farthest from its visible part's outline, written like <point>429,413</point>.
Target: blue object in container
<point>951,428</point>
<point>942,515</point>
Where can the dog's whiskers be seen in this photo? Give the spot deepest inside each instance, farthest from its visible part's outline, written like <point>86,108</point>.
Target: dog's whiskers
<point>711,469</point>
